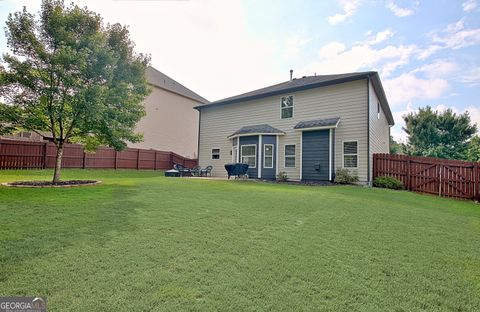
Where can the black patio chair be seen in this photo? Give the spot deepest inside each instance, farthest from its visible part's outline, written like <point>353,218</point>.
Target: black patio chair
<point>206,171</point>
<point>196,171</point>
<point>182,169</point>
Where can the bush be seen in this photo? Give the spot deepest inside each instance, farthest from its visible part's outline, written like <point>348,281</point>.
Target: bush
<point>282,176</point>
<point>343,176</point>
<point>388,182</point>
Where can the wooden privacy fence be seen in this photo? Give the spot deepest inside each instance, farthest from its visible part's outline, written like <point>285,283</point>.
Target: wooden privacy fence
<point>29,155</point>
<point>449,178</point>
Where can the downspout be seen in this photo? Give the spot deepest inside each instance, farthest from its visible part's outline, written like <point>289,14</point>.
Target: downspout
<point>368,130</point>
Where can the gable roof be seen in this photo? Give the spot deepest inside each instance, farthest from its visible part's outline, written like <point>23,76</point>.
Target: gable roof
<point>160,80</point>
<point>310,82</point>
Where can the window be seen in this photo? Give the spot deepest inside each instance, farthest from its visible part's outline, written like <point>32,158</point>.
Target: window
<point>215,153</point>
<point>249,155</point>
<point>350,154</point>
<point>287,106</point>
<point>268,156</point>
<point>234,154</point>
<point>378,110</point>
<point>290,156</point>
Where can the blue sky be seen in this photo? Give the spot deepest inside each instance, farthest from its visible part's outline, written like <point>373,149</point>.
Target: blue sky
<point>427,52</point>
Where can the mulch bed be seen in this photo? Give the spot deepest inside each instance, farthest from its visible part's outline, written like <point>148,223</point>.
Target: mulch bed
<point>66,183</point>
<point>311,183</point>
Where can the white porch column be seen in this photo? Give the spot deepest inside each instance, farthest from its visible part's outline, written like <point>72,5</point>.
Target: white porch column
<point>260,149</point>
<point>276,156</point>
<point>330,155</point>
<point>238,150</point>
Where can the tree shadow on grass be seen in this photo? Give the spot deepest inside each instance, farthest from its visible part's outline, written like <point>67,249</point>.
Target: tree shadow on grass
<point>35,225</point>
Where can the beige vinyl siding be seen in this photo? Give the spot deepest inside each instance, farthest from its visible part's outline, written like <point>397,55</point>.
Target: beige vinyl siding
<point>170,123</point>
<point>347,101</point>
<point>379,129</point>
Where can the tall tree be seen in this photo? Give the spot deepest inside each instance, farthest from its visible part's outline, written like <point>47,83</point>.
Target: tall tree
<point>473,149</point>
<point>438,134</point>
<point>396,147</point>
<point>71,75</point>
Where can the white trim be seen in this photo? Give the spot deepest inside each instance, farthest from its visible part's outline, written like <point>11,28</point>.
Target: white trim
<point>293,106</point>
<point>238,150</point>
<point>343,154</point>
<point>241,154</point>
<point>264,146</point>
<point>301,155</point>
<point>211,153</point>
<point>259,171</point>
<point>285,157</point>
<point>276,157</point>
<point>330,155</point>
<point>252,134</point>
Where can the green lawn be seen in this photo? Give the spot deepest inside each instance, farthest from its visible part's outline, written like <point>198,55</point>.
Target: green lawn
<point>142,242</point>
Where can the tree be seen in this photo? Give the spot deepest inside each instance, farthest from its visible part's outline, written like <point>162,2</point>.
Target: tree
<point>72,75</point>
<point>473,149</point>
<point>438,134</point>
<point>396,147</point>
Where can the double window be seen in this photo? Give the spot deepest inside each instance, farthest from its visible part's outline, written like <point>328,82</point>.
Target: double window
<point>268,156</point>
<point>215,153</point>
<point>287,106</point>
<point>249,155</point>
<point>350,154</point>
<point>290,156</point>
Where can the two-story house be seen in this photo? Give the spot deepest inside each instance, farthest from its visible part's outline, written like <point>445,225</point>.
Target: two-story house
<point>307,127</point>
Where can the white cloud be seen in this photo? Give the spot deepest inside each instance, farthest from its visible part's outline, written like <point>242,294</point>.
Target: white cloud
<point>471,77</point>
<point>439,68</point>
<point>469,5</point>
<point>349,7</point>
<point>408,87</point>
<point>401,11</point>
<point>381,36</point>
<point>456,36</point>
<point>335,58</point>
<point>294,44</point>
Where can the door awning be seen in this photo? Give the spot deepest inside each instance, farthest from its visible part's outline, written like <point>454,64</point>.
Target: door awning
<point>318,124</point>
<point>256,130</point>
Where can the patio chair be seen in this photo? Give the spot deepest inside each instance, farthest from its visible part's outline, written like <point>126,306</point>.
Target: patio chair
<point>182,169</point>
<point>196,171</point>
<point>206,171</point>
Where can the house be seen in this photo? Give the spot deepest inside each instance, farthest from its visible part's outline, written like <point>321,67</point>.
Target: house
<point>170,123</point>
<point>307,127</point>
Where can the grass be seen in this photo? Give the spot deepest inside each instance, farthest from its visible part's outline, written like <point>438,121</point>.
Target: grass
<point>142,242</point>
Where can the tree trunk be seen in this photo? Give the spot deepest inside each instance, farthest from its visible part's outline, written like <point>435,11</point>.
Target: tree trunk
<point>58,163</point>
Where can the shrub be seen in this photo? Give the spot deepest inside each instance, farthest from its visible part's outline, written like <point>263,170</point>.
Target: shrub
<point>388,182</point>
<point>282,176</point>
<point>343,176</point>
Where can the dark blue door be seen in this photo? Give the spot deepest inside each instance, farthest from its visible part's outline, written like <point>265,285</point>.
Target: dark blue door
<point>315,150</point>
<point>269,156</point>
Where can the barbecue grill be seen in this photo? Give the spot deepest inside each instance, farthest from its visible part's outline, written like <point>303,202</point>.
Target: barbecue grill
<point>238,170</point>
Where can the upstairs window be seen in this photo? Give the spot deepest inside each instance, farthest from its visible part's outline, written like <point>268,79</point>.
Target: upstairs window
<point>350,154</point>
<point>290,156</point>
<point>215,153</point>
<point>287,106</point>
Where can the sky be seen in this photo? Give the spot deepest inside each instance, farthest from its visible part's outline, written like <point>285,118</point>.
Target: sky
<point>426,52</point>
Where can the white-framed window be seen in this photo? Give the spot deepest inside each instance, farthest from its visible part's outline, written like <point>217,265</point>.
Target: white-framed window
<point>248,155</point>
<point>378,110</point>
<point>350,154</point>
<point>215,153</point>
<point>290,156</point>
<point>268,156</point>
<point>286,106</point>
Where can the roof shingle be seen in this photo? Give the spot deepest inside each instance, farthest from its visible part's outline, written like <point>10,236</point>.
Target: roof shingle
<point>328,122</point>
<point>257,129</point>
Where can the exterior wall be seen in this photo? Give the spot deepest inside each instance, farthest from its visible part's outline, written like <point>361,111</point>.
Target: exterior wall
<point>171,123</point>
<point>347,101</point>
<point>379,128</point>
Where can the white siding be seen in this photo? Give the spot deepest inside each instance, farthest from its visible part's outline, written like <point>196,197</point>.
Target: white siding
<point>347,101</point>
<point>379,129</point>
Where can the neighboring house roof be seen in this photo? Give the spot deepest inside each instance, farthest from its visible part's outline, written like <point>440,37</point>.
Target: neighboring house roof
<point>162,81</point>
<point>319,123</point>
<point>257,129</point>
<point>310,82</point>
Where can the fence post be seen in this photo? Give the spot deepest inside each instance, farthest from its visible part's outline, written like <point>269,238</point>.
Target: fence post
<point>476,180</point>
<point>44,155</point>
<point>84,158</point>
<point>155,162</point>
<point>409,164</point>
<point>171,160</point>
<point>116,160</point>
<point>138,158</point>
